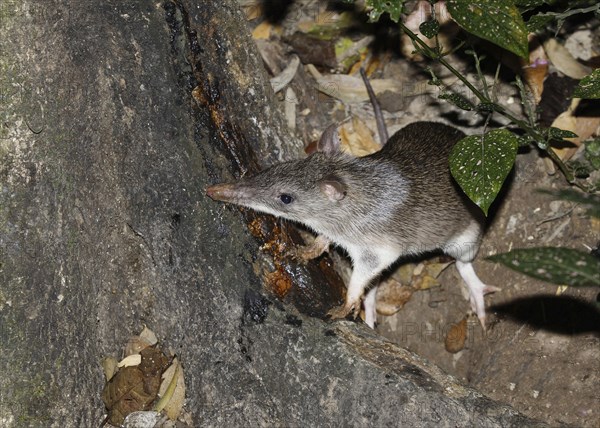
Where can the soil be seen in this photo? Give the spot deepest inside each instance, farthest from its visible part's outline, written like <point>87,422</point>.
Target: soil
<point>541,351</point>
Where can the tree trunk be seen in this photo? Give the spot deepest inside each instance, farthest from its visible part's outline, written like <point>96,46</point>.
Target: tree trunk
<point>105,228</point>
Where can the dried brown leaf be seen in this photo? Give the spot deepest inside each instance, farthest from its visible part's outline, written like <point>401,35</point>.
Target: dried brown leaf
<point>262,31</point>
<point>357,138</point>
<point>392,296</point>
<point>564,61</point>
<point>535,71</point>
<point>404,273</point>
<point>134,345</point>
<point>126,392</point>
<point>567,122</point>
<point>427,277</point>
<point>154,362</point>
<point>456,337</point>
<point>313,50</point>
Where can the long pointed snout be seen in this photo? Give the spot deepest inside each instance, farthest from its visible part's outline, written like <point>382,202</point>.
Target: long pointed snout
<point>222,192</point>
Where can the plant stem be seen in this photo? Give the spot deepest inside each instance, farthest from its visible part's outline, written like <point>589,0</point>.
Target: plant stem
<point>565,15</point>
<point>421,46</point>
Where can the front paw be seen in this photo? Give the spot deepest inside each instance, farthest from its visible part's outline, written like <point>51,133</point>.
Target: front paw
<point>301,253</point>
<point>311,251</point>
<point>342,311</point>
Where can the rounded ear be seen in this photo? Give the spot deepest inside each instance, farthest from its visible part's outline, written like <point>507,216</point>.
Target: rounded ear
<point>329,143</point>
<point>333,188</point>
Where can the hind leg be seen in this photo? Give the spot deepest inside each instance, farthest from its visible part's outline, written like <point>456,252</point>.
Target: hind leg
<point>370,304</point>
<point>477,289</point>
<point>464,248</point>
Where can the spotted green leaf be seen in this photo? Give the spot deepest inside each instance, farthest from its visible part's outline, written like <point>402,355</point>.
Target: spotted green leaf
<point>379,7</point>
<point>592,153</point>
<point>559,134</point>
<point>458,100</point>
<point>563,266</point>
<point>498,21</point>
<point>531,3</point>
<point>539,22</point>
<point>480,164</point>
<point>429,28</point>
<point>589,87</point>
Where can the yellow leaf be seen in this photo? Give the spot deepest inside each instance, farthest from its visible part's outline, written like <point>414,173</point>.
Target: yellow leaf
<point>262,31</point>
<point>172,391</point>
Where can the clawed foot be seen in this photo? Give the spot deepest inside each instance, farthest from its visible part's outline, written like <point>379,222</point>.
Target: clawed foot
<point>342,311</point>
<point>311,251</point>
<point>477,289</point>
<point>478,303</point>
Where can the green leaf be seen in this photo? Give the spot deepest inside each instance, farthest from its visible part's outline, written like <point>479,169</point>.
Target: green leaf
<point>486,107</point>
<point>457,99</point>
<point>592,153</point>
<point>430,28</point>
<point>590,200</point>
<point>529,3</point>
<point>589,87</point>
<point>539,22</point>
<point>378,7</point>
<point>480,164</point>
<point>563,266</point>
<point>559,134</point>
<point>498,21</point>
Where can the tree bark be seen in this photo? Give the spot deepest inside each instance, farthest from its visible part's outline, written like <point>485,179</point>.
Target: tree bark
<point>105,228</point>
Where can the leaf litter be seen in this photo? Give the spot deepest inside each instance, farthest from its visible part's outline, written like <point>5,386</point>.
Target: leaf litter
<point>145,380</point>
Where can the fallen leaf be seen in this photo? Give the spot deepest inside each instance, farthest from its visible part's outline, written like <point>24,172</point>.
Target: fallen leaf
<point>291,101</point>
<point>136,343</point>
<point>595,224</point>
<point>109,366</point>
<point>535,70</point>
<point>392,296</point>
<point>125,393</point>
<point>130,360</point>
<point>456,337</point>
<point>262,31</point>
<point>154,362</point>
<point>135,385</point>
<point>564,61</point>
<point>350,89</point>
<point>404,273</point>
<point>349,52</point>
<point>357,138</point>
<point>148,336</point>
<point>427,278</point>
<point>252,8</point>
<point>172,389</point>
<point>285,77</point>
<point>313,50</point>
<point>584,126</point>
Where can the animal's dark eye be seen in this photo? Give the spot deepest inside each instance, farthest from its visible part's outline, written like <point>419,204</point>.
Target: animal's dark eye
<point>286,199</point>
